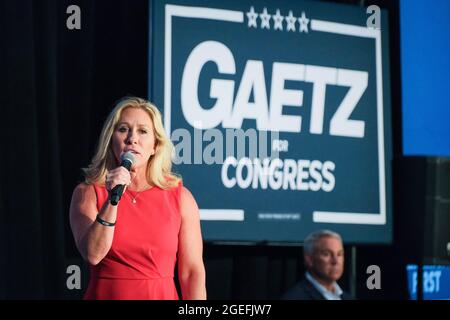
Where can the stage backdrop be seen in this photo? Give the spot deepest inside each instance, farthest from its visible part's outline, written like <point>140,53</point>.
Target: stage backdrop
<point>280,115</point>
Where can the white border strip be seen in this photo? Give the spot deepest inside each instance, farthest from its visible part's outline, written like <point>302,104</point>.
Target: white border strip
<point>186,12</point>
<point>346,217</point>
<point>342,28</point>
<point>222,214</point>
<point>353,217</point>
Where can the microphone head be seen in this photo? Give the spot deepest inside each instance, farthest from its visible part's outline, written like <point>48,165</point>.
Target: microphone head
<point>128,156</point>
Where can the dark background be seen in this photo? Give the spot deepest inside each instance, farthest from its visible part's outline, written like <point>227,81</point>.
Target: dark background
<point>58,85</point>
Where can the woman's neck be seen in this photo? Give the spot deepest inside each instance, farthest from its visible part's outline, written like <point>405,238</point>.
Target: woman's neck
<point>138,179</point>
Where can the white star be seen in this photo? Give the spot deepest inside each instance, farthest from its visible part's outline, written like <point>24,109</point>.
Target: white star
<point>265,17</point>
<point>303,23</point>
<point>290,19</point>
<point>278,21</point>
<point>252,15</point>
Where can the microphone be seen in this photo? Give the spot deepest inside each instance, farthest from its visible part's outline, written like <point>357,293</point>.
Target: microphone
<point>116,192</point>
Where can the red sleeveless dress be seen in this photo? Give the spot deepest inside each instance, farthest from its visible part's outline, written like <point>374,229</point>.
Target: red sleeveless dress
<point>140,264</point>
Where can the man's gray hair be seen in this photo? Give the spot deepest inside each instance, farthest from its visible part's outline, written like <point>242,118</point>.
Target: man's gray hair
<point>312,238</point>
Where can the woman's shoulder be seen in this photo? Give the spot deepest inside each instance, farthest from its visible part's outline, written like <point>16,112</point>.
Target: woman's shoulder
<point>188,205</point>
<point>185,191</point>
<point>83,194</point>
<point>186,196</point>
<point>84,190</point>
<point>83,187</point>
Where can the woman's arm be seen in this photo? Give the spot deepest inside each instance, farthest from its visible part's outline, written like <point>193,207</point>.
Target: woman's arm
<point>93,240</point>
<point>191,271</point>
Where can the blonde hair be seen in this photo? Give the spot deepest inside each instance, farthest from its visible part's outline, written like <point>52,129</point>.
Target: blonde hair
<point>159,167</point>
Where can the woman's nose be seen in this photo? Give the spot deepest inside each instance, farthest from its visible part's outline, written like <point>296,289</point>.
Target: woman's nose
<point>132,138</point>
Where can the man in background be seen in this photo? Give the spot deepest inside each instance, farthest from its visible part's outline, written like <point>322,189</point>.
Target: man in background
<point>323,254</point>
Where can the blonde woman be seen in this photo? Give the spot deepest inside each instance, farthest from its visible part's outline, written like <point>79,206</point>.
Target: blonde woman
<point>132,247</point>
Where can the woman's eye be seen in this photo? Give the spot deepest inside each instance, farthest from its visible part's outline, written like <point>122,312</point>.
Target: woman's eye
<point>122,129</point>
<point>143,131</point>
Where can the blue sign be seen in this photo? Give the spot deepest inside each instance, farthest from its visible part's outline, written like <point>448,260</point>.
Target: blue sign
<point>425,48</point>
<point>435,282</point>
<point>280,115</point>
